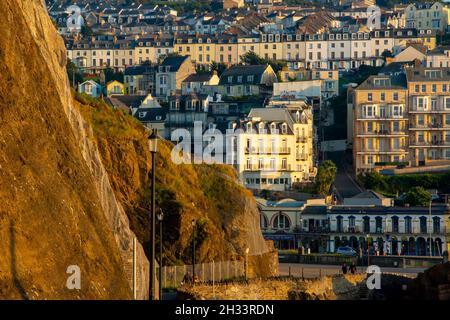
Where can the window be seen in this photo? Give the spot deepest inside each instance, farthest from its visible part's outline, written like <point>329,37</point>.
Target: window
<point>408,225</point>
<point>382,96</point>
<point>339,224</point>
<point>378,225</point>
<point>370,160</point>
<point>447,103</point>
<point>421,103</point>
<point>366,224</point>
<point>423,224</point>
<point>281,221</point>
<point>395,225</point>
<point>397,111</point>
<point>396,126</point>
<point>369,96</point>
<point>395,96</point>
<point>283,164</point>
<point>436,225</point>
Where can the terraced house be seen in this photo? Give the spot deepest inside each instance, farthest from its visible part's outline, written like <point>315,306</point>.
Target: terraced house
<point>340,48</point>
<point>404,121</point>
<point>273,148</point>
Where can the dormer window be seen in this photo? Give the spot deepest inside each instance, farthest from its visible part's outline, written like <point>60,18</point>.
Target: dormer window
<point>284,128</point>
<point>273,128</point>
<point>261,127</point>
<point>230,79</point>
<point>249,127</point>
<point>250,78</point>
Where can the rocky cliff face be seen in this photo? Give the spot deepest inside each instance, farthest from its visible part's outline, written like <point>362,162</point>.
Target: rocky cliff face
<point>75,193</point>
<point>56,205</point>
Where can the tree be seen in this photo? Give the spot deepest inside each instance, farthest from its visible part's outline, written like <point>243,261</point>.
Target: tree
<point>73,73</point>
<point>325,177</point>
<point>220,67</point>
<point>111,75</point>
<point>418,196</point>
<point>252,58</point>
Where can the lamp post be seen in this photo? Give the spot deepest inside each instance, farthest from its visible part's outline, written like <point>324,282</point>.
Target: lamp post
<point>431,227</point>
<point>160,220</point>
<point>153,147</point>
<point>246,263</point>
<point>193,250</point>
<point>368,250</point>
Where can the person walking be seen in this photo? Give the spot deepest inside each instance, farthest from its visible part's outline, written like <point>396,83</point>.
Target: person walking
<point>352,268</point>
<point>344,268</point>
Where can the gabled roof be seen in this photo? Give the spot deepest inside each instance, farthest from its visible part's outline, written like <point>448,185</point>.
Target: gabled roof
<point>256,71</point>
<point>202,77</point>
<point>174,62</point>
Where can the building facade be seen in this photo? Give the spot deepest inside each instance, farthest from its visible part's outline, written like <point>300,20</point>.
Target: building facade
<point>273,148</point>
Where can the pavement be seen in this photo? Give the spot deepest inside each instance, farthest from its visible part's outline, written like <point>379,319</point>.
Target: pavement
<point>310,271</point>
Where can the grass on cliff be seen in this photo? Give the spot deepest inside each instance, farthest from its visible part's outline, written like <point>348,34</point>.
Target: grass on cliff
<point>208,194</point>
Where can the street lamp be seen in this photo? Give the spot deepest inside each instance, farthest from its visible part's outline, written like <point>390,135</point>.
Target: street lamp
<point>160,220</point>
<point>368,250</point>
<point>431,229</point>
<point>153,147</point>
<point>193,250</point>
<point>246,263</point>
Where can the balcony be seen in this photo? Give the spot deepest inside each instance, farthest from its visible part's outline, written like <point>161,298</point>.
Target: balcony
<point>400,150</point>
<point>256,168</point>
<point>430,126</point>
<point>428,111</point>
<point>437,143</point>
<point>301,139</point>
<point>253,150</point>
<point>387,116</point>
<point>382,133</point>
<point>301,157</point>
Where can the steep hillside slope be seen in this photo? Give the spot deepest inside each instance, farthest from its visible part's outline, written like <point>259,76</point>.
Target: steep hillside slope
<point>51,212</point>
<point>226,214</point>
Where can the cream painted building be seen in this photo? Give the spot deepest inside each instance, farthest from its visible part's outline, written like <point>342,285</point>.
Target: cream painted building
<point>380,120</point>
<point>273,148</point>
<point>427,15</point>
<point>403,123</point>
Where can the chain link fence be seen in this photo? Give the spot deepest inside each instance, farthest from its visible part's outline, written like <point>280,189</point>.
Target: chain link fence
<point>172,276</point>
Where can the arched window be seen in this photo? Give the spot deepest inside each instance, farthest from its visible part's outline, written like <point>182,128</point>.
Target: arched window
<point>408,225</point>
<point>284,128</point>
<point>378,224</point>
<point>366,224</point>
<point>339,224</point>
<point>261,127</point>
<point>281,221</point>
<point>351,222</point>
<point>249,127</point>
<point>436,225</point>
<point>423,224</point>
<point>273,128</point>
<point>263,221</point>
<point>395,226</point>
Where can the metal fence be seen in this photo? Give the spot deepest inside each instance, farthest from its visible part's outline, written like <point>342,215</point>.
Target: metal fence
<point>172,276</point>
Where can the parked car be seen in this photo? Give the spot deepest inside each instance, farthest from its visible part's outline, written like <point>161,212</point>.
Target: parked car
<point>346,251</point>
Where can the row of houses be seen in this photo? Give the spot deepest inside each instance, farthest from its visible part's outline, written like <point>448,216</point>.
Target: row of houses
<point>340,49</point>
<point>366,221</point>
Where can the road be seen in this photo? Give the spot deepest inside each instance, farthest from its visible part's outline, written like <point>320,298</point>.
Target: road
<point>316,270</point>
<point>344,183</point>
